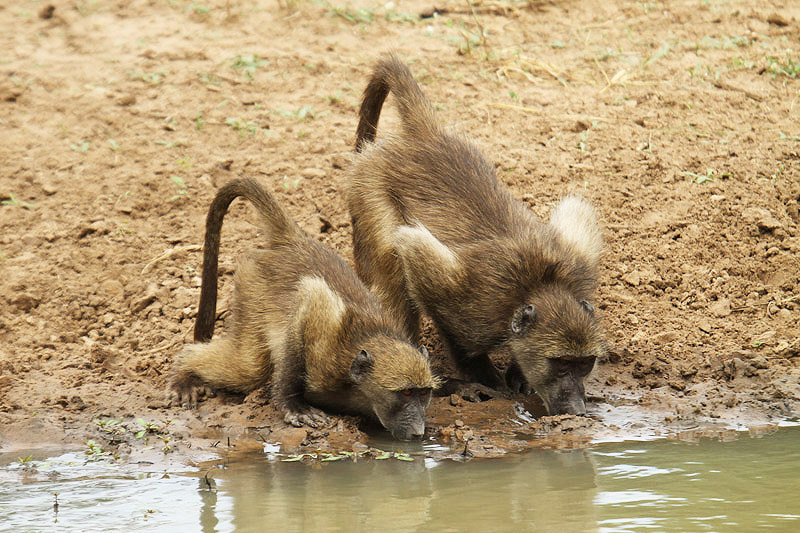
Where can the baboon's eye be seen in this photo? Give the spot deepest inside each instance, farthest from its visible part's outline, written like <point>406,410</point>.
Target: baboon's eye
<point>407,392</point>
<point>587,306</point>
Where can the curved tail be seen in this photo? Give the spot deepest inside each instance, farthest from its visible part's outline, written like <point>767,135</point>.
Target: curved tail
<point>276,221</point>
<point>416,112</point>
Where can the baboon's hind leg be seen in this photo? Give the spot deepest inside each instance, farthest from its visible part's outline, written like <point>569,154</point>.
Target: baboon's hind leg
<point>220,364</point>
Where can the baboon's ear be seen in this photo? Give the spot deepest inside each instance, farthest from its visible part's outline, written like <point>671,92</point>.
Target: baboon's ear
<point>523,317</point>
<point>423,350</point>
<point>362,365</point>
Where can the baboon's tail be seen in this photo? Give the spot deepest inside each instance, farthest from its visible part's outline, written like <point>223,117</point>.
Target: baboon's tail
<point>416,112</point>
<point>276,221</point>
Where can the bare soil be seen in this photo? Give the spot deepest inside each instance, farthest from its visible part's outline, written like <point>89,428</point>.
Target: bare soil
<point>118,121</point>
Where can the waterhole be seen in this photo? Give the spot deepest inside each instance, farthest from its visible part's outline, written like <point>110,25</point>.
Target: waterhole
<point>744,485</point>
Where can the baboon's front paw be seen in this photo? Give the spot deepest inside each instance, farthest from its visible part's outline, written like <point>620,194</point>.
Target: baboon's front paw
<point>187,389</point>
<point>307,416</point>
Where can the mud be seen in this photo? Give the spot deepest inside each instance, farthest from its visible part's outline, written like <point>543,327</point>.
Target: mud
<point>679,120</point>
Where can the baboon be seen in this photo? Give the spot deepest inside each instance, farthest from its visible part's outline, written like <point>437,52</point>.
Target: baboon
<point>303,318</point>
<point>434,232</point>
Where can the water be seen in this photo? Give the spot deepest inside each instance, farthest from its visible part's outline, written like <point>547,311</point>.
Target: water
<point>745,485</point>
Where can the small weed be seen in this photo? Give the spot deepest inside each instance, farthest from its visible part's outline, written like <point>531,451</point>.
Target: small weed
<point>786,67</point>
<point>241,126</point>
<point>172,144</point>
<point>739,63</point>
<point>199,122</point>
<point>785,137</point>
<point>558,44</point>
<point>181,186</point>
<point>165,439</point>
<point>356,16</point>
<point>114,146</point>
<point>24,460</point>
<point>197,8</point>
<point>209,78</point>
<point>150,427</point>
<point>24,13</point>
<point>111,426</point>
<point>581,144</point>
<point>709,175</point>
<point>304,113</point>
<point>294,184</point>
<point>94,451</point>
<point>153,78</point>
<point>13,201</point>
<point>184,162</point>
<point>81,146</point>
<point>778,175</point>
<point>335,97</point>
<point>467,40</point>
<point>664,50</point>
<point>247,64</point>
<point>395,16</point>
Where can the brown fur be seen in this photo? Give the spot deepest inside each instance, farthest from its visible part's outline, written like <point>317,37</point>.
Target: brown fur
<point>435,232</point>
<point>303,318</point>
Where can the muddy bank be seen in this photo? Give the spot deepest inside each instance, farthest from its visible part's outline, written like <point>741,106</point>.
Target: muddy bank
<point>119,123</point>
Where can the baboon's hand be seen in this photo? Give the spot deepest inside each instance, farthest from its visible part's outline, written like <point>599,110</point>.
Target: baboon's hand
<point>516,380</point>
<point>187,389</point>
<point>305,416</point>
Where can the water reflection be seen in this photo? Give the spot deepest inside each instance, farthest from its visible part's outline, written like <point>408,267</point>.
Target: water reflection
<point>524,492</point>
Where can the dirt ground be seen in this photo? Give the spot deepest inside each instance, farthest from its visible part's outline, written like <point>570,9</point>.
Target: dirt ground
<point>679,120</point>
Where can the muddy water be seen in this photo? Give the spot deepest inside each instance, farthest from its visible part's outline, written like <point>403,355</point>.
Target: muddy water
<point>744,485</point>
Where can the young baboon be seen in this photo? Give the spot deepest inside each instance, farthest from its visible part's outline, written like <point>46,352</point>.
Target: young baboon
<point>303,318</point>
<point>435,232</point>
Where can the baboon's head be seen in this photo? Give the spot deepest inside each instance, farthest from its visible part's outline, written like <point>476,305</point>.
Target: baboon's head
<point>556,339</point>
<point>397,382</point>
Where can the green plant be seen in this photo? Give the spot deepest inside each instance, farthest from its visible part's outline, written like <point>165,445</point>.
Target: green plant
<point>197,8</point>
<point>356,16</point>
<point>153,78</point>
<point>94,451</point>
<point>241,126</point>
<point>304,113</point>
<point>149,427</point>
<point>581,144</point>
<point>709,175</point>
<point>112,426</point>
<point>247,64</point>
<point>181,186</point>
<point>786,67</point>
<point>294,184</point>
<point>16,202</point>
<point>81,146</point>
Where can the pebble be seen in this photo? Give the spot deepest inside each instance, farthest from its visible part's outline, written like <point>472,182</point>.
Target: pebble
<point>721,307</point>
